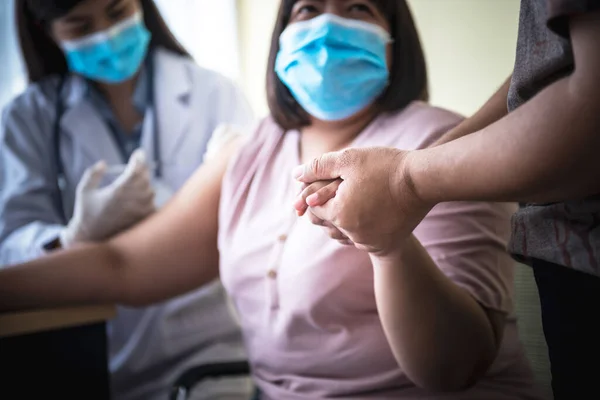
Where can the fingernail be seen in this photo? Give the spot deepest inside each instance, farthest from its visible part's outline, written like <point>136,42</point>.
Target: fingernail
<point>298,172</point>
<point>313,199</point>
<point>300,205</point>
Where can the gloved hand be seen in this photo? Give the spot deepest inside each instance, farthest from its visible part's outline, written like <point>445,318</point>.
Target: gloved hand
<point>100,213</point>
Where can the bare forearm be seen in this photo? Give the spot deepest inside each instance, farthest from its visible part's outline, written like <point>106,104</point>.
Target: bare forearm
<point>440,336</point>
<point>494,109</point>
<point>167,254</point>
<point>544,151</point>
<point>77,277</point>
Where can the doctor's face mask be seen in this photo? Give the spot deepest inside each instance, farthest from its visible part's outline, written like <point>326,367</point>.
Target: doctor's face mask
<point>110,56</point>
<point>105,41</point>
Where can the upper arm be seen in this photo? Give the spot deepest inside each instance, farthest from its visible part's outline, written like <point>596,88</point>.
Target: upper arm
<point>467,241</point>
<point>29,215</point>
<point>175,250</point>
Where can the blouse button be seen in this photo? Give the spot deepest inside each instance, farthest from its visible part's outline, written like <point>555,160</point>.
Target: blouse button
<point>282,238</point>
<point>272,274</point>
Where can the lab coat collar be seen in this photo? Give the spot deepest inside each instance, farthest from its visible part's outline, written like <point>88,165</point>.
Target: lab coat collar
<point>173,89</point>
<point>84,124</point>
<point>173,86</point>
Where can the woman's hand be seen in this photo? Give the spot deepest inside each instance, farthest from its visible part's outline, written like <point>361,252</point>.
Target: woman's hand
<point>319,193</point>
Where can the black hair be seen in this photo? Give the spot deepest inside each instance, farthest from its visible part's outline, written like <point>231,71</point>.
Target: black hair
<point>41,54</point>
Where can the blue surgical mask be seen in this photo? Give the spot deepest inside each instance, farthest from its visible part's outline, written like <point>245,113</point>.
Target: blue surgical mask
<point>333,66</point>
<point>110,56</point>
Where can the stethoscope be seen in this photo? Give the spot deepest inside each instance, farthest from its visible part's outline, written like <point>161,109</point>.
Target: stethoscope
<point>60,109</point>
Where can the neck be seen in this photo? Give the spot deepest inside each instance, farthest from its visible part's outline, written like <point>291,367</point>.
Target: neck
<point>114,93</point>
<point>325,136</point>
<point>119,98</point>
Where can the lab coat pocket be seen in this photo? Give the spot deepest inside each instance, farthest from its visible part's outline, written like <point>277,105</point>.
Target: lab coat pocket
<point>197,321</point>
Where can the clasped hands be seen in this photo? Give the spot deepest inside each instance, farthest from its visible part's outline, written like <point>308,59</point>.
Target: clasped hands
<point>362,197</point>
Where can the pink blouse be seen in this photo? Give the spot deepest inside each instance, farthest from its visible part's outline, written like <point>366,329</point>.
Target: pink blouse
<point>307,304</point>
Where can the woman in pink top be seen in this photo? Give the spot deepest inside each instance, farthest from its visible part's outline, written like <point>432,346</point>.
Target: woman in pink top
<point>322,318</point>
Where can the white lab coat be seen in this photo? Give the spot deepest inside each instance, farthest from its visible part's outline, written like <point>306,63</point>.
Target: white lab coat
<point>148,347</point>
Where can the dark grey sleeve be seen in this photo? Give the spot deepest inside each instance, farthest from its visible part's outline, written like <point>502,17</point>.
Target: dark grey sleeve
<point>559,12</point>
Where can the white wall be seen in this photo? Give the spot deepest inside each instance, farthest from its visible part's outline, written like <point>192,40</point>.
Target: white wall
<point>256,20</point>
<point>208,31</point>
<point>469,46</point>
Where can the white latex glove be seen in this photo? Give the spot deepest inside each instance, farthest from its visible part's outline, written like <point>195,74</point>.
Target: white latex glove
<point>102,212</point>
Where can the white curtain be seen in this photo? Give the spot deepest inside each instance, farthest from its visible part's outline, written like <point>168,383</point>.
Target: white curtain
<point>208,31</point>
<point>12,75</point>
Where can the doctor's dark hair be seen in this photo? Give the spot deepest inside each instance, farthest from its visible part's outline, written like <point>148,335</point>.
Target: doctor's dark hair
<point>408,73</point>
<point>41,54</point>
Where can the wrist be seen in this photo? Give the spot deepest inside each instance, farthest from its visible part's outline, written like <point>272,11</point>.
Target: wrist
<point>421,176</point>
<point>394,256</point>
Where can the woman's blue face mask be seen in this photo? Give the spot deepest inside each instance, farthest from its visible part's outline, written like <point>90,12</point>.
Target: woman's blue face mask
<point>110,56</point>
<point>333,66</point>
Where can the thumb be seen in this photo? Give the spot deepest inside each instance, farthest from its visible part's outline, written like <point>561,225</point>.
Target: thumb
<point>92,177</point>
<point>136,164</point>
<point>137,160</point>
<point>326,167</point>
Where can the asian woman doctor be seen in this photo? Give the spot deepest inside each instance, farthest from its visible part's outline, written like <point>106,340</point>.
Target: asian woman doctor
<point>107,78</point>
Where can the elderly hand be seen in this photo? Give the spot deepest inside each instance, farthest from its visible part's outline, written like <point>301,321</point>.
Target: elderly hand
<point>369,197</point>
<point>322,191</point>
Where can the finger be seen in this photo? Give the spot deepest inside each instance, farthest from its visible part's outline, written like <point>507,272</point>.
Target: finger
<point>335,233</point>
<point>140,182</point>
<point>326,167</point>
<point>146,208</point>
<point>300,203</point>
<point>142,196</point>
<point>136,169</point>
<point>346,242</point>
<point>326,212</point>
<point>324,194</point>
<point>92,177</point>
<point>139,212</point>
<point>314,219</point>
<point>135,165</point>
<point>341,235</point>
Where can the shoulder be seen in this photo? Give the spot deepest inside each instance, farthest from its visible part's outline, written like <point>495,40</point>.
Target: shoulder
<point>37,96</point>
<point>30,112</point>
<point>257,145</point>
<point>261,136</point>
<point>419,124</point>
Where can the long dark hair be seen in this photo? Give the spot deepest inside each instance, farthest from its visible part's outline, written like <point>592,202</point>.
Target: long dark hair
<point>41,54</point>
<point>408,74</point>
